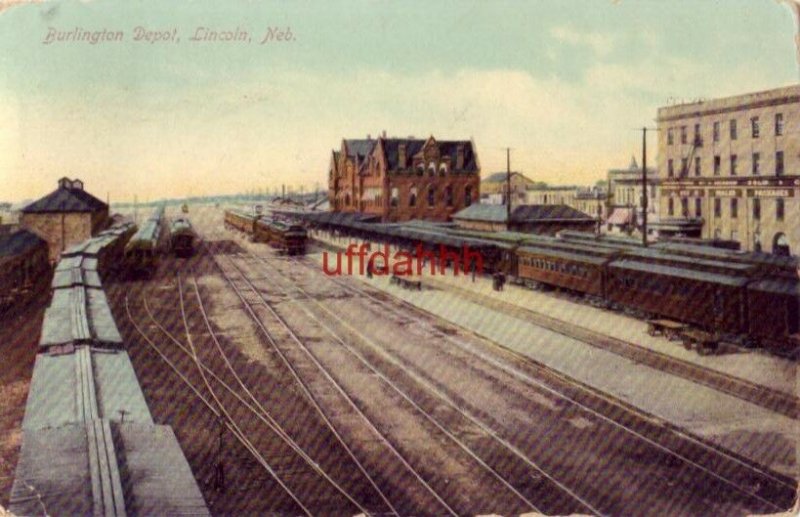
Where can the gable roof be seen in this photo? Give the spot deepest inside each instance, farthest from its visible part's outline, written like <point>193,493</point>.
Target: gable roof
<point>19,242</point>
<point>360,149</point>
<point>65,199</point>
<point>521,213</point>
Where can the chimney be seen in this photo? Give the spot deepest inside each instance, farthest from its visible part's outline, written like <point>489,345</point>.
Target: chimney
<point>401,156</point>
<point>77,184</point>
<point>369,136</point>
<point>460,157</point>
<point>383,134</point>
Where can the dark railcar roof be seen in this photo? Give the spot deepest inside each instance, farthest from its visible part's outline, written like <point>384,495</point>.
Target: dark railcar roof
<point>689,274</point>
<point>19,242</point>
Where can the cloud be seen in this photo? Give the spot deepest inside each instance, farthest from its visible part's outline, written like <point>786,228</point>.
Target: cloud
<point>602,44</point>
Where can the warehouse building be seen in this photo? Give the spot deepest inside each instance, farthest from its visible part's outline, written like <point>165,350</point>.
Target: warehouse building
<point>66,216</point>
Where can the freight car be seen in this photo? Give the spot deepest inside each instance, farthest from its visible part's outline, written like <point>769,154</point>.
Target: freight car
<point>144,248</point>
<point>242,221</point>
<point>89,443</point>
<point>24,267</point>
<point>182,237</point>
<point>286,237</point>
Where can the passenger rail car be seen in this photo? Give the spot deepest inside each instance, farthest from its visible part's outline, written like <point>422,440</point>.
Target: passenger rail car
<point>144,248</point>
<point>581,272</point>
<point>182,237</point>
<point>748,297</point>
<point>238,220</point>
<point>286,237</point>
<point>710,301</point>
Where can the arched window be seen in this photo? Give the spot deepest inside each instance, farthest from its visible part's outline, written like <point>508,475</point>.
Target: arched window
<point>468,195</point>
<point>412,197</point>
<point>432,168</point>
<point>347,200</point>
<point>780,245</point>
<point>448,195</point>
<point>420,168</point>
<point>395,199</point>
<point>431,195</point>
<point>442,168</point>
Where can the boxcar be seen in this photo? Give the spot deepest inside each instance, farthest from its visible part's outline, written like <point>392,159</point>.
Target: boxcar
<point>238,220</point>
<point>182,237</point>
<point>580,272</point>
<point>711,301</point>
<point>24,267</point>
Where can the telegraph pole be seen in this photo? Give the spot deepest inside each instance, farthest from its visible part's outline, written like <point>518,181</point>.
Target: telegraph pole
<point>508,188</point>
<point>645,200</point>
<point>644,187</point>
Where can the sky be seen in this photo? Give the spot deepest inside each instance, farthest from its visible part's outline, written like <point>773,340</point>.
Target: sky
<point>564,83</point>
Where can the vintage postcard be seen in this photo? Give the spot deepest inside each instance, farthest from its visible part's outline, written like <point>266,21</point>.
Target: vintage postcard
<point>412,258</point>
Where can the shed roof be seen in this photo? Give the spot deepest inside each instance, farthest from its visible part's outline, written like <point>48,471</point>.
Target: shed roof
<point>521,213</point>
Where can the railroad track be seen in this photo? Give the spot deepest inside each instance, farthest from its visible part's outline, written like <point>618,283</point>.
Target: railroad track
<point>768,398</point>
<point>513,459</point>
<point>283,476</point>
<point>779,487</point>
<point>445,507</point>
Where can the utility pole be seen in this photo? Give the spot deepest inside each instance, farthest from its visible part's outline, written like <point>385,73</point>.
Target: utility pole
<point>508,188</point>
<point>644,187</point>
<point>645,200</point>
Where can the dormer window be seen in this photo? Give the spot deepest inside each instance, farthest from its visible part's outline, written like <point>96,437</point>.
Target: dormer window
<point>432,168</point>
<point>420,168</point>
<point>443,168</point>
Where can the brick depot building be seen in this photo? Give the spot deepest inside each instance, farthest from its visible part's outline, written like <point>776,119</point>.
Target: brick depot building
<point>66,216</point>
<point>399,179</point>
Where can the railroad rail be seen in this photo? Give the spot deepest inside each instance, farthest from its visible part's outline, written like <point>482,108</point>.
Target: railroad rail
<point>248,304</point>
<point>764,396</point>
<point>254,406</point>
<point>437,393</point>
<point>231,426</point>
<point>784,485</point>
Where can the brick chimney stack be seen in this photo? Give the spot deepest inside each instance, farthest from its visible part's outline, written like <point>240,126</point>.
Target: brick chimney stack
<point>460,157</point>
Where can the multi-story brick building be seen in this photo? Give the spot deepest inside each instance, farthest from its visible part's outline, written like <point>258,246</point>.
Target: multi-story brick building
<point>730,169</point>
<point>66,216</point>
<point>401,179</point>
